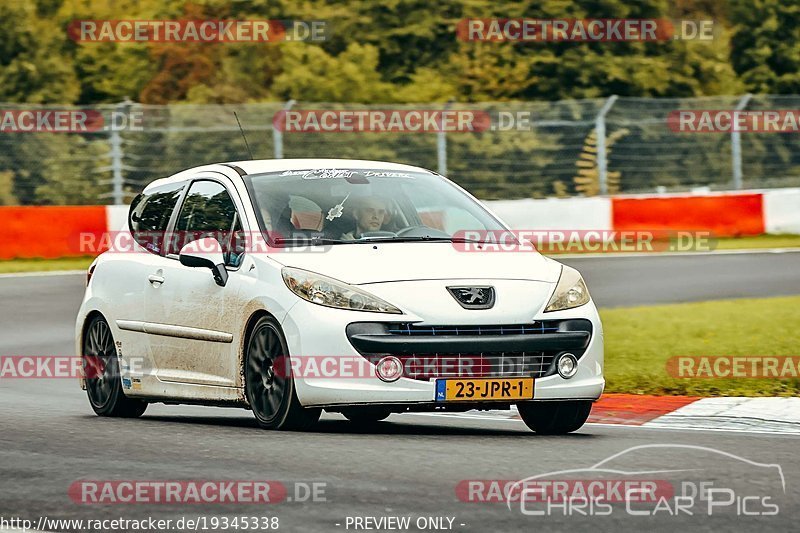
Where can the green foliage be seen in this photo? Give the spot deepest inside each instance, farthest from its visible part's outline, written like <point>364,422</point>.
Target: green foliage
<point>765,49</point>
<point>311,74</point>
<point>7,196</point>
<point>394,50</point>
<point>35,66</point>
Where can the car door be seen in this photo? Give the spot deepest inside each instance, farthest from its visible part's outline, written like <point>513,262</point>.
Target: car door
<point>195,319</point>
<point>124,281</point>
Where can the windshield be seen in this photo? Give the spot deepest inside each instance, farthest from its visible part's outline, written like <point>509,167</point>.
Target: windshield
<point>339,206</point>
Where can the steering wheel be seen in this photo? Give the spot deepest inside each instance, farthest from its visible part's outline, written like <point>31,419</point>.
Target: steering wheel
<point>423,231</point>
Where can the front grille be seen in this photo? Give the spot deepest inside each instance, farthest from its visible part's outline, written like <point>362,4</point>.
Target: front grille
<point>470,350</point>
<point>412,330</point>
<point>425,367</point>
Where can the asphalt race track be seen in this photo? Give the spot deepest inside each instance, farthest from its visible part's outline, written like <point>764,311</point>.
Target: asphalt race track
<point>661,279</point>
<point>408,466</point>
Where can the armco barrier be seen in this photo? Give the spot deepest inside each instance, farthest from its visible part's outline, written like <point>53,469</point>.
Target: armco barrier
<point>48,232</point>
<point>725,215</point>
<point>54,231</point>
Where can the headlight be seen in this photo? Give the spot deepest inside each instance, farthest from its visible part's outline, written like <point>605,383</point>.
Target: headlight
<point>322,290</point>
<point>570,292</point>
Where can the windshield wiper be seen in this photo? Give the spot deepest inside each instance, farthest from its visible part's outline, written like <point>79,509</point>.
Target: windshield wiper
<point>309,241</point>
<point>420,239</point>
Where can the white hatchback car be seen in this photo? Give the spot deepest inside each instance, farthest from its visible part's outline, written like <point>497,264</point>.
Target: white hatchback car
<point>292,286</point>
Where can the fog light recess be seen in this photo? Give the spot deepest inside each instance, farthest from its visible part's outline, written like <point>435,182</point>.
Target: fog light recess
<point>389,369</point>
<point>567,365</point>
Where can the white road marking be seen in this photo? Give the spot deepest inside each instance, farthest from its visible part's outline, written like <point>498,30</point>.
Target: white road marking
<point>777,416</point>
<point>42,274</point>
<point>765,415</point>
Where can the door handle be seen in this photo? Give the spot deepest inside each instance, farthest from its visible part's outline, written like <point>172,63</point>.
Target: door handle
<point>155,280</point>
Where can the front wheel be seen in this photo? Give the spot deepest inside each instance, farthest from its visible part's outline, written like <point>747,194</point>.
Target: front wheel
<point>268,381</point>
<point>101,370</point>
<point>555,418</point>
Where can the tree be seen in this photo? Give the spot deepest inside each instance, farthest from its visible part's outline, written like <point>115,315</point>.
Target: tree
<point>34,64</point>
<point>765,49</point>
<point>311,74</point>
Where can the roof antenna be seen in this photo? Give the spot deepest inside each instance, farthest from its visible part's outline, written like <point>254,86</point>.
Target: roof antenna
<point>243,136</point>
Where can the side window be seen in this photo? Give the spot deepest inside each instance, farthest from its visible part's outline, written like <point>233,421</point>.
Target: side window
<point>209,211</point>
<point>150,213</point>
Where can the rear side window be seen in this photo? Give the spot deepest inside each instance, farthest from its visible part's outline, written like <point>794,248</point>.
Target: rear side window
<point>150,213</point>
<point>209,211</point>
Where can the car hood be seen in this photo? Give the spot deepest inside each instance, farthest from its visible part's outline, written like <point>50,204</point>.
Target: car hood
<point>363,263</point>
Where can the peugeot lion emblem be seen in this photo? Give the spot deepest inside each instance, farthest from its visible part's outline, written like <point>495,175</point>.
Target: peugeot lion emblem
<point>473,297</point>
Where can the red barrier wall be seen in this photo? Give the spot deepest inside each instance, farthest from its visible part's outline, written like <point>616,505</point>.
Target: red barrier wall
<point>724,215</point>
<point>48,232</point>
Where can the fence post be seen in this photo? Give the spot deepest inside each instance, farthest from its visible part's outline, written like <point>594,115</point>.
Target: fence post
<point>117,194</point>
<point>277,135</point>
<point>441,144</point>
<point>736,145</point>
<point>600,133</point>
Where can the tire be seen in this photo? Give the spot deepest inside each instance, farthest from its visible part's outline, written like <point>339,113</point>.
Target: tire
<point>271,394</point>
<point>101,368</point>
<point>366,415</point>
<point>555,418</point>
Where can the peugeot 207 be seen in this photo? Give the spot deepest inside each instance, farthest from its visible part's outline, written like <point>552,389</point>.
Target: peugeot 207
<point>366,288</point>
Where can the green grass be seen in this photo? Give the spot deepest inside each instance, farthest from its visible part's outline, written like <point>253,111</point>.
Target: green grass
<point>42,265</point>
<point>759,241</point>
<point>640,340</point>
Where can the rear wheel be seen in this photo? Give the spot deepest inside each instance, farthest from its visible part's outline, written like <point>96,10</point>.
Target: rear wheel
<point>268,381</point>
<point>555,418</point>
<point>101,369</point>
<point>366,415</point>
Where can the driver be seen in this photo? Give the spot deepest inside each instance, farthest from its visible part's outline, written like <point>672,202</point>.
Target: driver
<point>371,214</point>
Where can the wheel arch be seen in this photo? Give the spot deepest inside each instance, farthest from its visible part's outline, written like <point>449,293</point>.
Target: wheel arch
<point>91,315</point>
<point>250,324</point>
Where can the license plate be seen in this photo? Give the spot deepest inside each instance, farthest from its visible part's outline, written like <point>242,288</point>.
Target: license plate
<point>448,390</point>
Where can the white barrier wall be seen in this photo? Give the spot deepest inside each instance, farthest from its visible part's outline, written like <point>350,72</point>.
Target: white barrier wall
<point>116,217</point>
<point>782,211</point>
<point>555,213</point>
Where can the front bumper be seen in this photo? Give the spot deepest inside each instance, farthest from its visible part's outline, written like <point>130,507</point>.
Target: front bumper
<point>316,331</point>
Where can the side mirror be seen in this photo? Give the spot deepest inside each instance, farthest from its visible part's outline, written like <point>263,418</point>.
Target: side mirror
<point>206,253</point>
